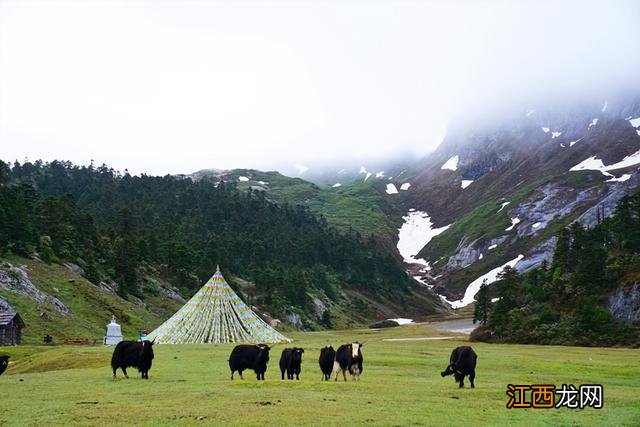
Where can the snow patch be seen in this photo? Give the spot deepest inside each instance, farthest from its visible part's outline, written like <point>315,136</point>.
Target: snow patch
<point>391,189</point>
<point>555,134</point>
<point>493,246</point>
<point>604,107</point>
<point>480,257</point>
<point>451,164</point>
<point>572,143</point>
<point>530,112</point>
<point>503,205</point>
<point>402,321</point>
<point>514,221</point>
<point>623,178</point>
<point>562,145</point>
<point>593,163</point>
<point>545,130</point>
<point>405,186</point>
<point>243,178</point>
<point>380,174</point>
<point>263,183</point>
<point>495,299</point>
<point>336,185</point>
<point>536,225</point>
<point>593,123</point>
<point>368,176</point>
<point>414,235</point>
<point>635,122</point>
<point>465,183</point>
<point>362,169</point>
<point>474,287</point>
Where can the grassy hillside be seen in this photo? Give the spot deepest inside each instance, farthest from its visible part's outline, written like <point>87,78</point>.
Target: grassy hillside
<point>91,307</point>
<point>358,206</point>
<point>401,385</point>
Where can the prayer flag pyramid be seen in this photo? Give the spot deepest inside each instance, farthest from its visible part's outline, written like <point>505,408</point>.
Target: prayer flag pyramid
<point>215,314</point>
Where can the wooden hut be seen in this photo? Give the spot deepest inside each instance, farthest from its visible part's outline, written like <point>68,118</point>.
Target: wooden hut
<point>11,325</point>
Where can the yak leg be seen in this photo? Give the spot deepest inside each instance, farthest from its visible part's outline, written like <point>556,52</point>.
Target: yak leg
<point>472,376</point>
<point>282,373</point>
<point>124,370</point>
<point>114,373</point>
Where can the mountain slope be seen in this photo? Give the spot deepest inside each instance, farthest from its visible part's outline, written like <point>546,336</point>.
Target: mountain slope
<point>519,186</point>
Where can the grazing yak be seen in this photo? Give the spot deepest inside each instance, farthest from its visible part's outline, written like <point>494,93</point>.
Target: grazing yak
<point>249,356</point>
<point>137,354</point>
<point>4,363</point>
<point>326,359</point>
<point>349,358</point>
<point>461,363</point>
<point>290,362</point>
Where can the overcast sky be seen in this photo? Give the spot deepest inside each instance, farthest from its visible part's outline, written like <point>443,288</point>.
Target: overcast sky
<point>173,86</point>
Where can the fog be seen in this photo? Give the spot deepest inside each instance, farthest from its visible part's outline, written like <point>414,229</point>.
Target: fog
<point>172,87</point>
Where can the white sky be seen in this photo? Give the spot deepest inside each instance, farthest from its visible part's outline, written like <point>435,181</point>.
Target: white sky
<point>173,86</point>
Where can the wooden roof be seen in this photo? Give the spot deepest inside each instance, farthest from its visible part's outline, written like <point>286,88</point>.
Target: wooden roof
<point>7,317</point>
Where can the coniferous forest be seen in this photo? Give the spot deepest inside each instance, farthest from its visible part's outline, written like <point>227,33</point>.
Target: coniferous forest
<point>565,302</point>
<point>119,227</point>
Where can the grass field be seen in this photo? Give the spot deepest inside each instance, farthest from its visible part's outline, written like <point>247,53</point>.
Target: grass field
<point>401,385</point>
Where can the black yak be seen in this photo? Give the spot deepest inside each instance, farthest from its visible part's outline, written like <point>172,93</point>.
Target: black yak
<point>249,356</point>
<point>4,363</point>
<point>349,358</point>
<point>290,362</point>
<point>326,359</point>
<point>137,354</point>
<point>461,363</point>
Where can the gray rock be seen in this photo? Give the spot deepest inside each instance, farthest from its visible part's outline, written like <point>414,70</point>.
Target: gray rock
<point>319,307</point>
<point>15,279</point>
<point>294,319</point>
<point>624,303</point>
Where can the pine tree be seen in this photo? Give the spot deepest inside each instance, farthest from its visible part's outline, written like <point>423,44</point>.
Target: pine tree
<point>483,304</point>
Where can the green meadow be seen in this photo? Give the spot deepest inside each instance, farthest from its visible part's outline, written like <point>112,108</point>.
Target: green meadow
<point>401,385</point>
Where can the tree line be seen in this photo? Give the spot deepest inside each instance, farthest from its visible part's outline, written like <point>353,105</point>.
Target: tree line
<point>565,302</point>
<point>121,227</point>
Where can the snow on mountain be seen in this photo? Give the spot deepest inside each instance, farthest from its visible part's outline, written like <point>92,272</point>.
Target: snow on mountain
<point>391,189</point>
<point>635,122</point>
<point>593,163</point>
<point>604,107</point>
<point>490,277</point>
<point>451,164</point>
<point>555,134</point>
<point>243,178</point>
<point>492,246</point>
<point>593,123</point>
<point>380,174</point>
<point>414,235</point>
<point>363,169</point>
<point>405,186</point>
<point>465,183</point>
<point>530,112</point>
<point>402,321</point>
<point>572,143</point>
<point>480,257</point>
<point>545,130</point>
<point>263,183</point>
<point>536,225</point>
<point>514,222</point>
<point>623,178</point>
<point>336,185</point>
<point>503,205</point>
<point>368,176</point>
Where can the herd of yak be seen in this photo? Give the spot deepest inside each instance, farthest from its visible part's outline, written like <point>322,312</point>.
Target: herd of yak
<point>347,358</point>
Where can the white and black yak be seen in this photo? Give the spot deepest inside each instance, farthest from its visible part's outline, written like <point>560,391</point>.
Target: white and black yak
<point>462,363</point>
<point>349,358</point>
<point>290,362</point>
<point>136,354</point>
<point>4,363</point>
<point>249,356</point>
<point>326,359</point>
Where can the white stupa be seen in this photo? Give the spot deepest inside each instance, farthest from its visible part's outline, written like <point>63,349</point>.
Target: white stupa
<point>114,333</point>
